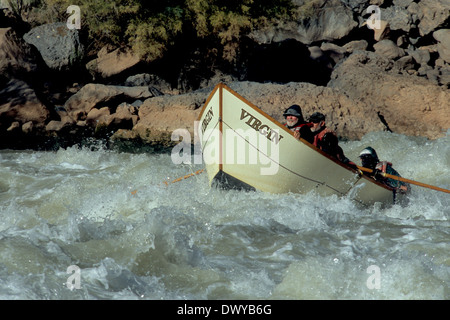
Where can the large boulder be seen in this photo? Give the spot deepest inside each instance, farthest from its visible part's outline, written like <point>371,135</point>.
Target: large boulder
<point>98,95</point>
<point>443,46</point>
<point>21,108</point>
<point>407,104</point>
<point>388,49</point>
<point>318,20</point>
<point>154,82</point>
<point>111,63</point>
<point>160,116</point>
<point>58,45</point>
<point>398,16</point>
<point>431,13</point>
<point>98,104</point>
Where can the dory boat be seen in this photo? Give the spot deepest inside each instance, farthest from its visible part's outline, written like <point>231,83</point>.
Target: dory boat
<point>244,148</point>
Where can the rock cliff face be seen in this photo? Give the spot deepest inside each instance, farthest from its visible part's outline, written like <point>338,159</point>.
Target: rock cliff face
<point>394,77</point>
<point>409,104</point>
<point>405,109</point>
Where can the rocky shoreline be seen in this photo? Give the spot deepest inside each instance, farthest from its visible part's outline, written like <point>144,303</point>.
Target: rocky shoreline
<point>395,78</point>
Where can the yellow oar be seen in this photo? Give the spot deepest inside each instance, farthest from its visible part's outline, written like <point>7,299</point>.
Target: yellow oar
<point>185,177</point>
<point>420,184</point>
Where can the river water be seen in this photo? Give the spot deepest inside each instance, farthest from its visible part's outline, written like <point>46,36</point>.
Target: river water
<point>95,223</point>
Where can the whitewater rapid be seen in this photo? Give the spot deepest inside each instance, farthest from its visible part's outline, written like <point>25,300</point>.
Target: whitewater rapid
<point>92,223</point>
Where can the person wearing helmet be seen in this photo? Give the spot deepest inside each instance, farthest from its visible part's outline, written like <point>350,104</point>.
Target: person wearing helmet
<point>326,140</point>
<point>296,123</point>
<point>370,160</point>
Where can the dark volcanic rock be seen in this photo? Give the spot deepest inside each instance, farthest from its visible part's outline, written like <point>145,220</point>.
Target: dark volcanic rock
<point>59,46</point>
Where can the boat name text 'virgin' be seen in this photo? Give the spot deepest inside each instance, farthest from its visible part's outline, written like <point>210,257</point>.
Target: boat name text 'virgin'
<point>263,129</point>
<point>207,119</point>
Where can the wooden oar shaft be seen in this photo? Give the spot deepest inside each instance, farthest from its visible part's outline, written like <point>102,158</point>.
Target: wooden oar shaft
<point>176,180</point>
<point>185,177</point>
<point>417,183</point>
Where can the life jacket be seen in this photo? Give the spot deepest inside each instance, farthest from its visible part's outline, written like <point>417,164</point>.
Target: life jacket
<point>383,166</point>
<point>318,136</point>
<point>298,126</point>
<point>304,130</point>
<point>386,167</point>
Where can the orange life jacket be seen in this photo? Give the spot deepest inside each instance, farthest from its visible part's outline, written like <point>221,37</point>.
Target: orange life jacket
<point>318,136</point>
<point>297,127</point>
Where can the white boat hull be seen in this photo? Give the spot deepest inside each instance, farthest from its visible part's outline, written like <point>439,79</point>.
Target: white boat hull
<point>243,147</point>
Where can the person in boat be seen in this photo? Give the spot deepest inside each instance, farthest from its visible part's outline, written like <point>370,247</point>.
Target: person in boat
<point>370,160</point>
<point>326,140</point>
<point>296,123</point>
<point>318,128</point>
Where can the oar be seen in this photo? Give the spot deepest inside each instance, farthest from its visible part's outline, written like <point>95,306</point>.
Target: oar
<point>417,183</point>
<point>185,177</point>
<point>177,180</point>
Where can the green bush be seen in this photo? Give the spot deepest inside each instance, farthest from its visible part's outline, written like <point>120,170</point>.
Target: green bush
<point>104,22</point>
<point>21,7</point>
<point>152,27</point>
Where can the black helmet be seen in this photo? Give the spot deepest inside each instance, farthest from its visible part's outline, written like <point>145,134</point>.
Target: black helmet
<point>294,110</point>
<point>369,151</point>
<point>316,117</point>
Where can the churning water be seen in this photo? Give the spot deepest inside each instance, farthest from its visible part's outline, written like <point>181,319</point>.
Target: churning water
<point>80,223</point>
